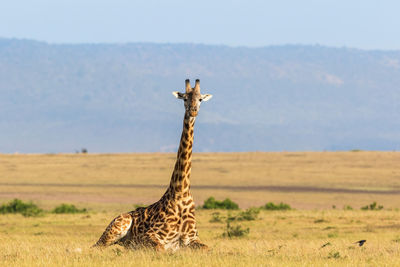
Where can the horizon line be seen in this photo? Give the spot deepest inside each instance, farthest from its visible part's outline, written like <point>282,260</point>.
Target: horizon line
<point>198,44</point>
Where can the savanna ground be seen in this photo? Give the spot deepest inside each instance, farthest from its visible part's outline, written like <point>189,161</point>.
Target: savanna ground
<point>317,184</point>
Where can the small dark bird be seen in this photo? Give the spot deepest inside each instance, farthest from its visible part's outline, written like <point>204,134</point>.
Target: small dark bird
<point>326,244</point>
<point>361,242</point>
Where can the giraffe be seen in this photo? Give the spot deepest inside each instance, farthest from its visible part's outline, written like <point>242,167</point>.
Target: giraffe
<point>169,223</point>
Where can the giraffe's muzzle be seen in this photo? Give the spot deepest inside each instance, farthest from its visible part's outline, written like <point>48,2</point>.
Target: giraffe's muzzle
<point>193,112</point>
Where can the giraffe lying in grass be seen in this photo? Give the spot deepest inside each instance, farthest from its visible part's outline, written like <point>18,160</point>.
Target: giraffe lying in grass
<point>169,223</point>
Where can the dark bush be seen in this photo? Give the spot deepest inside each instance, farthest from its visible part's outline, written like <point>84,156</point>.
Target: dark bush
<point>372,206</point>
<point>18,206</point>
<point>280,206</point>
<point>227,204</point>
<point>67,208</point>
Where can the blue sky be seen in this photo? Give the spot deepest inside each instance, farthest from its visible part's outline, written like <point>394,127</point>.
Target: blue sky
<point>363,24</point>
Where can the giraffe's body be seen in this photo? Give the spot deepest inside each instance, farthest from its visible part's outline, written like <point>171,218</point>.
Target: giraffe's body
<point>169,223</point>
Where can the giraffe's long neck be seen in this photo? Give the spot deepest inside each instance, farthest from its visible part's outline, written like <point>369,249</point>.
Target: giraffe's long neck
<point>180,180</point>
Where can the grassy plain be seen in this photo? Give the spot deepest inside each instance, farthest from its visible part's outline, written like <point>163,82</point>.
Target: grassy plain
<point>107,184</point>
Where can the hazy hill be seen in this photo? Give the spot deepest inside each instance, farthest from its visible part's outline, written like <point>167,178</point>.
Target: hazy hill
<point>117,98</point>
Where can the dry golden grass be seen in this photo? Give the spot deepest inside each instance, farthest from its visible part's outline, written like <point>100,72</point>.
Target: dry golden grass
<point>98,180</point>
<point>291,238</point>
<point>109,184</point>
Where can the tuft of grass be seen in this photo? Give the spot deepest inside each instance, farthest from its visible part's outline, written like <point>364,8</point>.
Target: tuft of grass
<point>117,251</point>
<point>347,207</point>
<point>235,231</point>
<point>334,255</point>
<point>216,217</point>
<point>396,240</point>
<point>273,206</point>
<point>372,206</point>
<point>38,233</point>
<point>249,214</point>
<point>329,228</point>
<point>67,208</point>
<point>333,235</point>
<point>320,221</point>
<point>227,204</point>
<point>27,209</point>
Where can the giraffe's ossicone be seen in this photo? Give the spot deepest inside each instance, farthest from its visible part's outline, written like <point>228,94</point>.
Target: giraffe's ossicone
<point>169,223</point>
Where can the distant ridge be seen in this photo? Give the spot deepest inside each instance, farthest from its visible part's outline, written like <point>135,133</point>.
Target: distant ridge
<point>117,97</point>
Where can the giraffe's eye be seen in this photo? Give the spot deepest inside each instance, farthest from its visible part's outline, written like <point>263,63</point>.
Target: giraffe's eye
<point>200,99</point>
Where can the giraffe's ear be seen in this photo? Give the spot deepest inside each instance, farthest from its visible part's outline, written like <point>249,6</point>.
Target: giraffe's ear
<point>178,95</point>
<point>206,97</point>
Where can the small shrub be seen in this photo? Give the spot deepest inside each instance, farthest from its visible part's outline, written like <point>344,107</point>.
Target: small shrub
<point>348,207</point>
<point>320,221</point>
<point>117,251</point>
<point>27,209</point>
<point>227,204</point>
<point>396,240</point>
<point>334,255</point>
<point>84,151</point>
<point>38,233</point>
<point>231,218</point>
<point>216,217</point>
<point>370,228</point>
<point>235,231</point>
<point>273,206</point>
<point>67,208</point>
<point>372,206</point>
<point>333,235</point>
<point>250,214</point>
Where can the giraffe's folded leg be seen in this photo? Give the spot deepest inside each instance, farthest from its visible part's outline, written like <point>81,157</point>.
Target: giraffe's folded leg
<point>191,239</point>
<point>150,240</point>
<point>196,244</point>
<point>115,231</point>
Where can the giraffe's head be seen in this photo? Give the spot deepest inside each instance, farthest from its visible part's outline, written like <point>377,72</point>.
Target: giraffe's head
<point>192,97</point>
